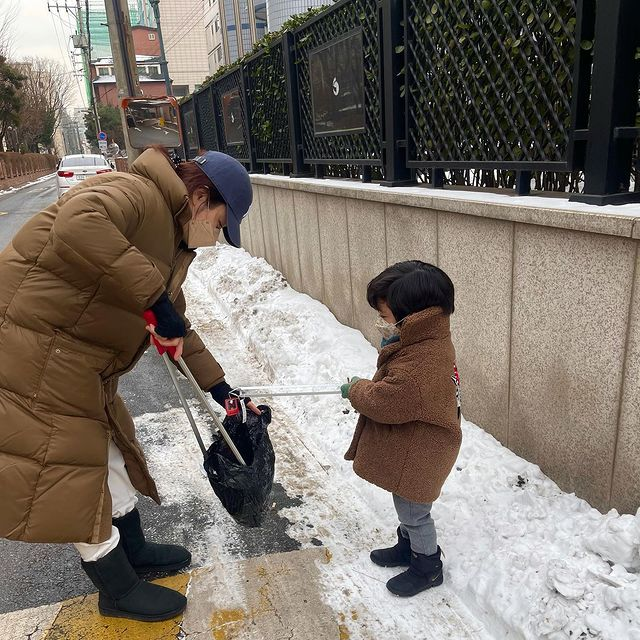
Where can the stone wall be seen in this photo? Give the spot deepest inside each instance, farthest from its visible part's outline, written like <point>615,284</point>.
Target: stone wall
<point>547,322</point>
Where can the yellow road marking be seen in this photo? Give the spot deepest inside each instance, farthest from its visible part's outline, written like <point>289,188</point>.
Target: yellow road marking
<point>4,213</point>
<point>79,620</point>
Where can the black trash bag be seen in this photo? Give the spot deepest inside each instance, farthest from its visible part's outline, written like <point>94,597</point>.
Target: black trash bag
<point>243,490</point>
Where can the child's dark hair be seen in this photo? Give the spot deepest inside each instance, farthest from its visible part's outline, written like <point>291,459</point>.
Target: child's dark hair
<point>410,287</point>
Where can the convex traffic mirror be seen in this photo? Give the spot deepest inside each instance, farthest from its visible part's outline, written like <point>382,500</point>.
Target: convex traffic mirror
<point>152,121</point>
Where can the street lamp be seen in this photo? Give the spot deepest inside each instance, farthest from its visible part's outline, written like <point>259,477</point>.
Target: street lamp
<point>163,58</point>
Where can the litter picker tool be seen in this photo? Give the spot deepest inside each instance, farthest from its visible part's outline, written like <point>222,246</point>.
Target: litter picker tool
<point>293,390</point>
<point>166,353</point>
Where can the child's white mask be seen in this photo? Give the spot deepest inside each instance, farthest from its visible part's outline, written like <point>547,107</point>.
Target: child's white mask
<point>386,329</point>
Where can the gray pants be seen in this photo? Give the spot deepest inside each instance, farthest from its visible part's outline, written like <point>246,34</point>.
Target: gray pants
<point>417,524</point>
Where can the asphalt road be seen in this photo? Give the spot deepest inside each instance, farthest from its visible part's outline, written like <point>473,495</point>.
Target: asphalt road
<point>38,574</point>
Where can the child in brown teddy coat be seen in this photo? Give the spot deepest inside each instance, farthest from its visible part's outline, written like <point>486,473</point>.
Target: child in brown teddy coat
<point>408,435</point>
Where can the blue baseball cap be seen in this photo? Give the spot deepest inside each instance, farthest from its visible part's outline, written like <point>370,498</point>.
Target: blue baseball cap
<point>232,181</point>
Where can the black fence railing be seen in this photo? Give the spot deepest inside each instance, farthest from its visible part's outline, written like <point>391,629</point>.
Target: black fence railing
<point>360,18</point>
<point>267,87</point>
<point>206,120</point>
<point>493,93</point>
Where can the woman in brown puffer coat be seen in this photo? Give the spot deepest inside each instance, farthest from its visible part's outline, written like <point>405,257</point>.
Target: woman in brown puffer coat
<point>74,283</point>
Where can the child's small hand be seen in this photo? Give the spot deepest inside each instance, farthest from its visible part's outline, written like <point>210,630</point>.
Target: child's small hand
<point>345,388</point>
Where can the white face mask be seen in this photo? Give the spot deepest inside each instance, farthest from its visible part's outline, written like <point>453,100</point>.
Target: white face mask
<point>386,329</point>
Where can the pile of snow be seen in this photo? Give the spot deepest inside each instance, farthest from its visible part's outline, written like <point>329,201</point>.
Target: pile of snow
<point>528,559</point>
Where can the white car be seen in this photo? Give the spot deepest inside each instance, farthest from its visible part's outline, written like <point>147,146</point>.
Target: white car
<point>76,168</point>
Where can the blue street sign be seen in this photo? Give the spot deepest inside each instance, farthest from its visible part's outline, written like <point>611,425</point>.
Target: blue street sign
<point>102,136</point>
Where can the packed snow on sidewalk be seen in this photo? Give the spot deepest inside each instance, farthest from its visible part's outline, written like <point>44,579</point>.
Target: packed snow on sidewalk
<point>528,559</point>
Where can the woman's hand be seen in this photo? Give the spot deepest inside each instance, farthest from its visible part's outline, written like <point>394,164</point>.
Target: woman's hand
<point>223,391</point>
<point>178,343</point>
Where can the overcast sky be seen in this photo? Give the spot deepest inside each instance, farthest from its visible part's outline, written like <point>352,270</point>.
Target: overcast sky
<point>44,34</point>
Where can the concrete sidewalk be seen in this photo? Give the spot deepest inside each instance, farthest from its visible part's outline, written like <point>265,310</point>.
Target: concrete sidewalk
<point>276,597</point>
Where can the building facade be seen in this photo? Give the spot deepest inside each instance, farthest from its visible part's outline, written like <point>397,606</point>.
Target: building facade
<point>214,35</point>
<point>104,79</point>
<point>140,13</point>
<point>241,24</point>
<point>147,47</point>
<point>185,43</point>
<point>279,11</point>
<point>182,29</point>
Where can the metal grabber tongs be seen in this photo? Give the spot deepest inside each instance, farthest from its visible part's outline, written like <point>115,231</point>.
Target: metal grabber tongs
<point>167,353</point>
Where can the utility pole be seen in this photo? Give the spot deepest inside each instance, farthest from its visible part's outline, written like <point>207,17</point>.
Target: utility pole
<point>83,42</point>
<point>124,59</point>
<point>163,56</point>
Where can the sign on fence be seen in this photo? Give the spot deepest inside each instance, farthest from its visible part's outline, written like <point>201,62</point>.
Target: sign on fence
<point>337,86</point>
<point>232,115</point>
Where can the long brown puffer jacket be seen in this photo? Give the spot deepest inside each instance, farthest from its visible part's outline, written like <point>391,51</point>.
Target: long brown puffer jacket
<point>74,283</point>
<point>408,436</point>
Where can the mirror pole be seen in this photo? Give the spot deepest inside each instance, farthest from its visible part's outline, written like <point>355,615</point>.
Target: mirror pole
<point>124,60</point>
<point>163,56</point>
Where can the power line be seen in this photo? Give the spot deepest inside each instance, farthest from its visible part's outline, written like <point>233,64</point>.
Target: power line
<point>55,29</point>
<point>185,23</point>
<point>177,42</point>
<point>178,37</point>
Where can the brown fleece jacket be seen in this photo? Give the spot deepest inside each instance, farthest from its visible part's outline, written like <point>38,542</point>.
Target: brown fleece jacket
<point>408,436</point>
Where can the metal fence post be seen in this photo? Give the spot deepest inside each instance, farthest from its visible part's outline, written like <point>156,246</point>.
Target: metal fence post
<point>196,113</point>
<point>218,117</point>
<point>394,113</point>
<point>298,167</point>
<point>614,102</point>
<point>253,162</point>
<point>523,183</point>
<point>216,124</point>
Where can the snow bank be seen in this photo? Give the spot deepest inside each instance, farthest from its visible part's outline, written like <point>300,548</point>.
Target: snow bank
<point>529,560</point>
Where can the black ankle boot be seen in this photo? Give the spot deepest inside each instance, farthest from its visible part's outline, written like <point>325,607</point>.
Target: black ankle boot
<point>423,573</point>
<point>124,595</point>
<point>148,557</point>
<point>396,556</point>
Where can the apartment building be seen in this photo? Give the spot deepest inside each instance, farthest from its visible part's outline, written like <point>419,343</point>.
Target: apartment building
<point>233,27</point>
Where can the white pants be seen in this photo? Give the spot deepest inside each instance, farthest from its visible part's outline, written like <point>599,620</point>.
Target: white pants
<point>123,500</point>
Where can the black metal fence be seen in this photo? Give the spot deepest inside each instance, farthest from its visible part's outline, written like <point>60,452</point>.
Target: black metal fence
<point>482,92</point>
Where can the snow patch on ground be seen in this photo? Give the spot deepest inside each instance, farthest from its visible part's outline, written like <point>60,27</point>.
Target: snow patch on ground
<point>530,560</point>
<point>29,184</point>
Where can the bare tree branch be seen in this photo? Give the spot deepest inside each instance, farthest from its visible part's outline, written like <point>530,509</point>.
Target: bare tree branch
<point>46,90</point>
<point>9,10</point>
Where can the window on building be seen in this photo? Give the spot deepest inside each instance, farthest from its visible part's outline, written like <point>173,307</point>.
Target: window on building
<point>219,54</point>
<point>246,38</point>
<point>180,90</point>
<point>103,71</point>
<point>209,34</point>
<point>216,22</point>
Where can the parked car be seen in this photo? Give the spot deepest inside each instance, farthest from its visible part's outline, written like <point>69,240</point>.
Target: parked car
<point>75,168</point>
